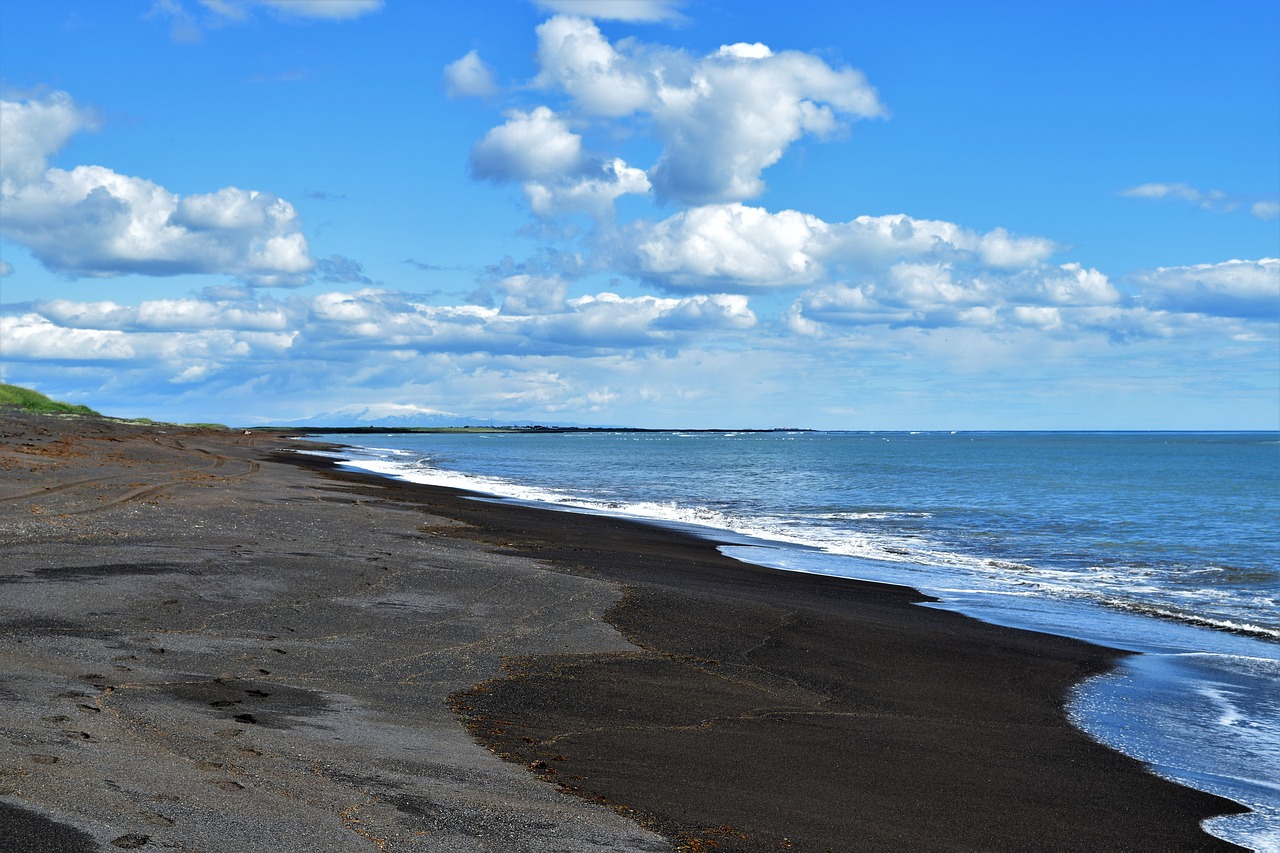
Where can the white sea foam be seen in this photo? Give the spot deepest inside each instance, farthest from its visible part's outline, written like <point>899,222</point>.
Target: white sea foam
<point>1134,588</point>
<point>1228,713</point>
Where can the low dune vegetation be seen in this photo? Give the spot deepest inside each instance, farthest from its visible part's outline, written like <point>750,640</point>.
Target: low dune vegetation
<point>25,398</point>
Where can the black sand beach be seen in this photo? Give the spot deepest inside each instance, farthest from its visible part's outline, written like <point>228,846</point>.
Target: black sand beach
<point>211,643</point>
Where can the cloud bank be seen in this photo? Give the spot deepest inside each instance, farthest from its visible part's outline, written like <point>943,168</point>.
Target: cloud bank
<point>535,316</point>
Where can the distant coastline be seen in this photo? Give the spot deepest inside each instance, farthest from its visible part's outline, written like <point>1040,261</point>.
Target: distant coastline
<point>557,430</point>
<point>377,430</point>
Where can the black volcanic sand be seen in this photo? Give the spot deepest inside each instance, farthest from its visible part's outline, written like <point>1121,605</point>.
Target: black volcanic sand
<point>211,644</point>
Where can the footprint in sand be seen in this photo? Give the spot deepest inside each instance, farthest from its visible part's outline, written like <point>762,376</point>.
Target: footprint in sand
<point>78,735</point>
<point>157,819</point>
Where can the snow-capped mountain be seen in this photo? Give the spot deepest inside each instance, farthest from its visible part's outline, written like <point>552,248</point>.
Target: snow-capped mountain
<point>390,415</point>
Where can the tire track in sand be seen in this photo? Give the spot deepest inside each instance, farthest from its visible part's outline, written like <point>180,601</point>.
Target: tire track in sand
<point>140,492</point>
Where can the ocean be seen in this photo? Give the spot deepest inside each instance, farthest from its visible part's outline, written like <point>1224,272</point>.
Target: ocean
<point>1167,544</point>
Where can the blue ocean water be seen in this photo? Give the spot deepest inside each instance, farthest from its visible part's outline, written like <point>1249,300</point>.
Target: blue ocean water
<point>1162,543</point>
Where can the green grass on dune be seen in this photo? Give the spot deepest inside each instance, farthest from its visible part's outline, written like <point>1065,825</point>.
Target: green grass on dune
<point>34,401</point>
<point>13,395</point>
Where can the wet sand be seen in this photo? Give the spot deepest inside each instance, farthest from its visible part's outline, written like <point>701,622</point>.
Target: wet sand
<point>209,642</point>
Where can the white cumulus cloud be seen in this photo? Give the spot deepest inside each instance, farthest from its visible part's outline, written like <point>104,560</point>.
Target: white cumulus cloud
<point>33,131</point>
<point>731,244</point>
<point>92,221</point>
<point>1068,284</point>
<point>740,110</point>
<point>1236,288</point>
<point>525,294</point>
<point>469,76</point>
<point>576,57</point>
<point>32,336</point>
<point>742,50</point>
<point>721,119</point>
<point>594,194</point>
<point>538,149</point>
<point>737,246</point>
<point>530,145</point>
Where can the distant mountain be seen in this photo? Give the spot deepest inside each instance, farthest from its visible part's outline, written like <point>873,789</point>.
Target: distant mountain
<point>392,415</point>
<point>399,416</point>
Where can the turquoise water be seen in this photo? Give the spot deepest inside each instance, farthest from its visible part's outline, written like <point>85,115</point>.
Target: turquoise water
<point>1163,543</point>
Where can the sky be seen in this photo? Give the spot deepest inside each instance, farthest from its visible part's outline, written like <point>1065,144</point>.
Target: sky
<point>834,214</point>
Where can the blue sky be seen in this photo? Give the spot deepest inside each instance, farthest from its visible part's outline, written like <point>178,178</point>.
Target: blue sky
<point>838,215</point>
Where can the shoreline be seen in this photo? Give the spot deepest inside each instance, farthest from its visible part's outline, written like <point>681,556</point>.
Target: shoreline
<point>634,666</point>
<point>651,560</point>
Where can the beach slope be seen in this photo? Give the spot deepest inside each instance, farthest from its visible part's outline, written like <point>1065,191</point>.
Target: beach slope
<point>211,642</point>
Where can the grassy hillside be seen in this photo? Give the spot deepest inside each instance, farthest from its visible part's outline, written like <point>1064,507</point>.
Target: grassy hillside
<point>12,395</point>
